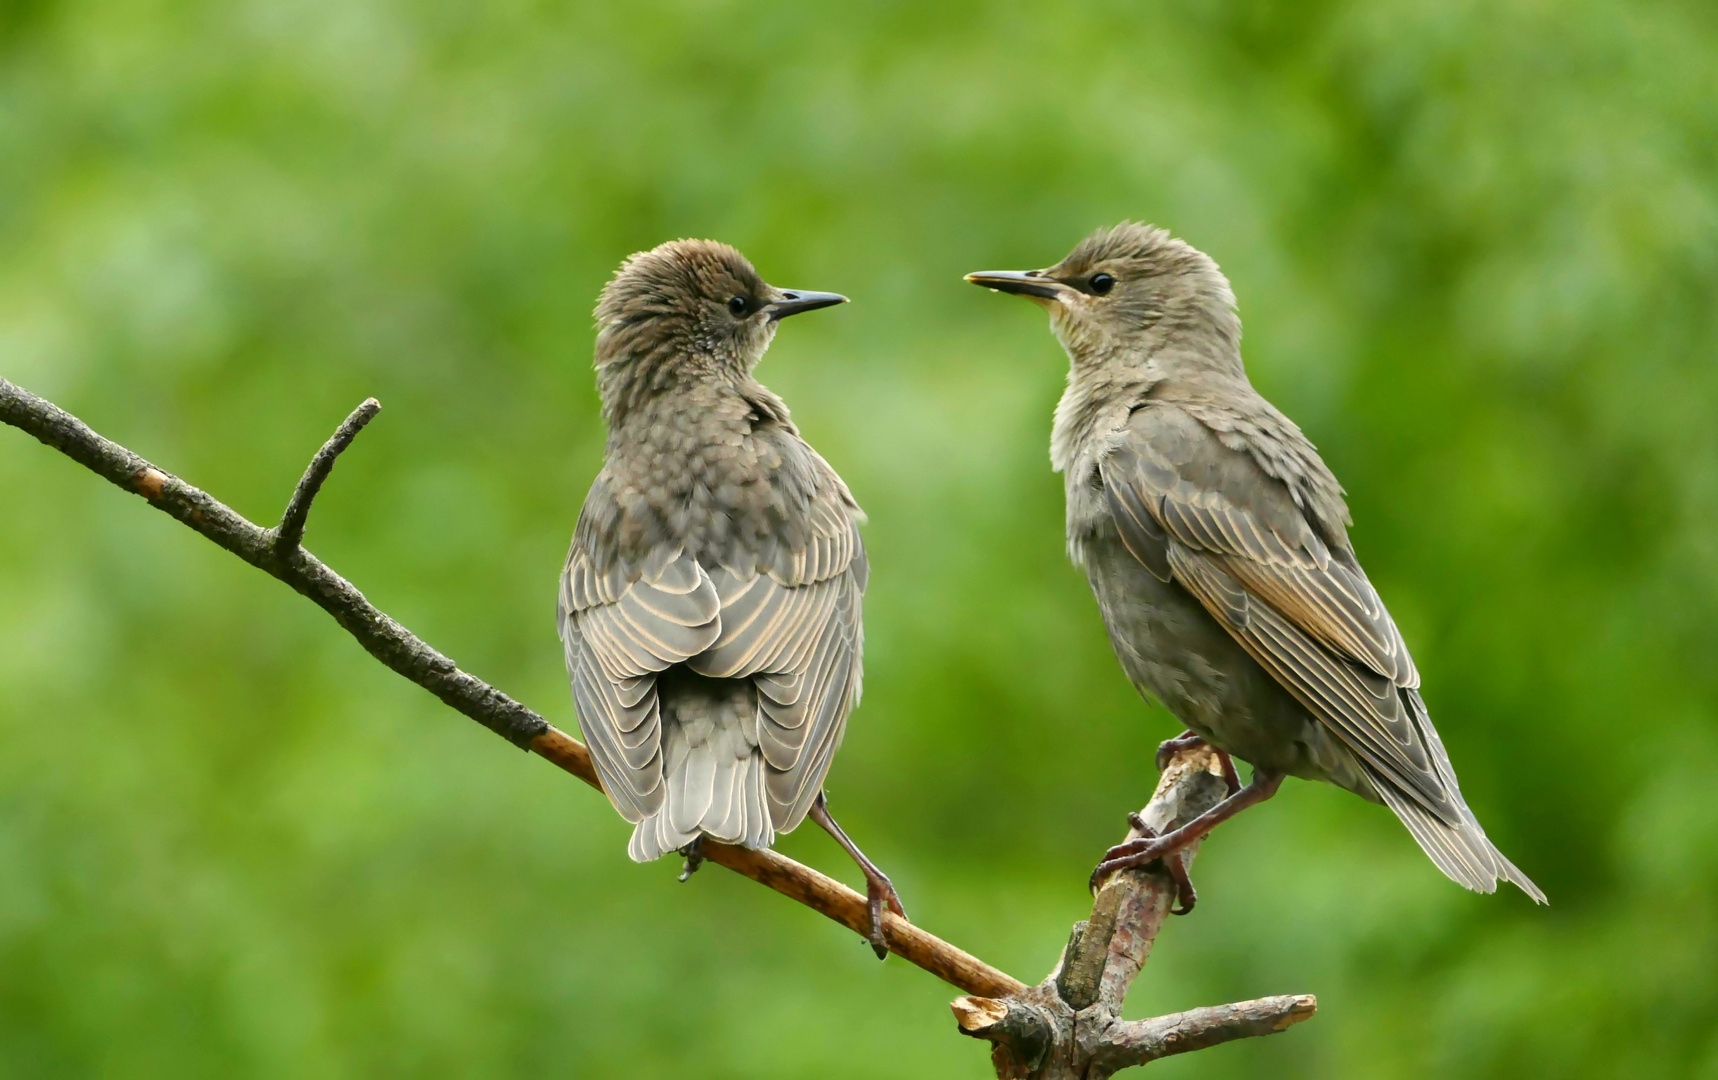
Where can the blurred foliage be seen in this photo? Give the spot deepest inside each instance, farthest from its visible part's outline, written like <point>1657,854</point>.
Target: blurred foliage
<point>1476,249</point>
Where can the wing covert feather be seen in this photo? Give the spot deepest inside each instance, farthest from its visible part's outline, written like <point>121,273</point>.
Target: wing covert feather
<point>617,638</point>
<point>787,619</point>
<point>1237,539</point>
<point>1168,469</point>
<point>1362,707</point>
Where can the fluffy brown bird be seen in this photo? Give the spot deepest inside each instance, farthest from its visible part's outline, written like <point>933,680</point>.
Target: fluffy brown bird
<point>711,603</point>
<point>1215,540</point>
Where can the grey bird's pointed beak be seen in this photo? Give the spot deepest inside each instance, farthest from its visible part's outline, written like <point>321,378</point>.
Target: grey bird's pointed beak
<point>1029,283</point>
<point>794,301</point>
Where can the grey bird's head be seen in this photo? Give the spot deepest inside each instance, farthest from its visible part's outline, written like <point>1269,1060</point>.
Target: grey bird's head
<point>683,312</point>
<point>1125,293</point>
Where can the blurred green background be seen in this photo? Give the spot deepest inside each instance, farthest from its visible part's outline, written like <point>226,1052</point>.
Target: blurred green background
<point>1476,251</point>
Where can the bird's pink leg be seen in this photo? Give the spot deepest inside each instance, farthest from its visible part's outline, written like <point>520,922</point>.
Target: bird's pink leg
<point>1185,895</point>
<point>1187,740</point>
<point>1149,848</point>
<point>878,889</point>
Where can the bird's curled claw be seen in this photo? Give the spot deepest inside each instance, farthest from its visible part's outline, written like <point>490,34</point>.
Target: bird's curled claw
<point>694,853</point>
<point>1144,849</point>
<point>1168,748</point>
<point>879,891</point>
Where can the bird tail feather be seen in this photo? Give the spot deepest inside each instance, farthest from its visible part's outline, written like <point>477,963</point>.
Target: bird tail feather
<point>1462,852</point>
<point>713,774</point>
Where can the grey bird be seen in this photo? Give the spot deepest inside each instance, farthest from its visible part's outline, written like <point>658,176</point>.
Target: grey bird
<point>710,607</point>
<point>1216,542</point>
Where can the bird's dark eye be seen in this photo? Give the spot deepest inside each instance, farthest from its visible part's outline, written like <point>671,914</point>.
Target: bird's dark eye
<point>737,305</point>
<point>1102,283</point>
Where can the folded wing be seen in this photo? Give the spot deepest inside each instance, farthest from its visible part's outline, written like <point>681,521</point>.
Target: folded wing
<point>765,659</point>
<point>1208,516</point>
<point>619,635</point>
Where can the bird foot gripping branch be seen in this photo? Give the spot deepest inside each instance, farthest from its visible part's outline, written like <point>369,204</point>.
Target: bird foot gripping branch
<point>1070,1026</point>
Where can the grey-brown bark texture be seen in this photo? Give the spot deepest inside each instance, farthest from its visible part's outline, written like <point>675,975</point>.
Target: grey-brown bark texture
<point>1068,1026</point>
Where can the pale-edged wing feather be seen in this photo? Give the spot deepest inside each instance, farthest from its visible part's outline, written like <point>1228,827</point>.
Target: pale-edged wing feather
<point>1473,833</point>
<point>635,788</point>
<point>1236,538</point>
<point>1468,865</point>
<point>828,725</point>
<point>800,645</point>
<point>618,634</point>
<point>713,696</point>
<point>715,689</point>
<point>1167,473</point>
<point>1365,709</point>
<point>816,719</point>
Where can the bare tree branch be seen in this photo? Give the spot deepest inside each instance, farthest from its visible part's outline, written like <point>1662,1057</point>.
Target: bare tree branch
<point>1135,1042</point>
<point>278,554</point>
<point>1067,1026</point>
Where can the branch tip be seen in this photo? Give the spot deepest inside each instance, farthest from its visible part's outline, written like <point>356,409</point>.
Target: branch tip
<point>289,534</point>
<point>1135,1042</point>
<point>975,1014</point>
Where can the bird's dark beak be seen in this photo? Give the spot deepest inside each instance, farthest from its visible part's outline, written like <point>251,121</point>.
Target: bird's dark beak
<point>794,301</point>
<point>1029,283</point>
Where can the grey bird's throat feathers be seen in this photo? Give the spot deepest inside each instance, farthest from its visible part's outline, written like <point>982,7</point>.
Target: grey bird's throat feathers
<point>683,312</point>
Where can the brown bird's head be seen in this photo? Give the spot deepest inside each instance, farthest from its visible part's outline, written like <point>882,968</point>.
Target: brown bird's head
<point>1123,292</point>
<point>684,311</point>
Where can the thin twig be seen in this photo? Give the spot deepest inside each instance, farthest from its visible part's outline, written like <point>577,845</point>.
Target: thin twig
<point>289,534</point>
<point>1136,1042</point>
<point>409,656</point>
<point>385,639</point>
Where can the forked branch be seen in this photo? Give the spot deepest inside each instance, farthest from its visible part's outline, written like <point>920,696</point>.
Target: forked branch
<point>289,534</point>
<point>1068,1026</point>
